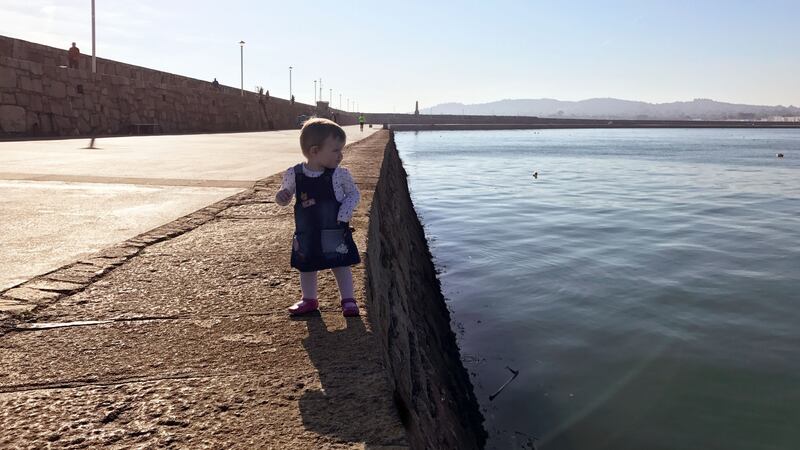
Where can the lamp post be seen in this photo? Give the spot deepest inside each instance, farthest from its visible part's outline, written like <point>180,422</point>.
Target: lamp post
<point>315,92</point>
<point>348,104</point>
<point>320,89</point>
<point>330,97</point>
<point>94,57</point>
<point>241,48</point>
<point>290,83</point>
<point>340,101</point>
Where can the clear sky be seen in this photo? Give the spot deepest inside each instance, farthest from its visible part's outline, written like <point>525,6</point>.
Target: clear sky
<point>387,55</point>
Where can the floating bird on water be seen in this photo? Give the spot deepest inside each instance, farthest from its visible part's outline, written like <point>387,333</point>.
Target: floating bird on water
<point>779,155</point>
<point>536,175</point>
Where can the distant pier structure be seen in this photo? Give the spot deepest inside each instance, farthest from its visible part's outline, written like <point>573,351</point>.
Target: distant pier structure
<point>416,108</point>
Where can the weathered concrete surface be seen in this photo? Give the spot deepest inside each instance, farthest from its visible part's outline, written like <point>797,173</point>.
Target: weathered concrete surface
<point>60,201</point>
<point>197,350</point>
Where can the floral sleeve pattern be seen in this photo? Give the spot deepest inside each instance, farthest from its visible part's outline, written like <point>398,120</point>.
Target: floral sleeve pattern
<point>288,182</point>
<point>345,186</point>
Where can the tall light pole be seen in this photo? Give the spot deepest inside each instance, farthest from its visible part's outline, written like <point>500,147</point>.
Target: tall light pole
<point>348,104</point>
<point>241,48</point>
<point>94,56</point>
<point>330,97</point>
<point>340,101</point>
<point>315,92</point>
<point>320,89</point>
<point>290,83</point>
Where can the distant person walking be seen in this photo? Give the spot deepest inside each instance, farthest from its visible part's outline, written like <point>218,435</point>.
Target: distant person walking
<point>215,84</point>
<point>73,54</point>
<point>361,121</point>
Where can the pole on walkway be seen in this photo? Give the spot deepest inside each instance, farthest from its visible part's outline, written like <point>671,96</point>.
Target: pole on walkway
<point>241,59</point>
<point>290,83</point>
<point>94,55</point>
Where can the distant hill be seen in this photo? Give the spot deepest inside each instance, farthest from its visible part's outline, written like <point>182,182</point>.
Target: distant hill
<point>612,108</point>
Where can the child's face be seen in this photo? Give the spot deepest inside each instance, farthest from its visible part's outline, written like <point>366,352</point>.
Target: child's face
<point>329,154</point>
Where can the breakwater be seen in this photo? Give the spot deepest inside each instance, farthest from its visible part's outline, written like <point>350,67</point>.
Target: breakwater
<point>426,122</point>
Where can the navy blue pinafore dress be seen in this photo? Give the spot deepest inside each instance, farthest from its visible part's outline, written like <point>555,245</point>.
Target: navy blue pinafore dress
<point>319,241</point>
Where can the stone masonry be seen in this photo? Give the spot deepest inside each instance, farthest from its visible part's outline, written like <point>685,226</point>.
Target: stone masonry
<point>40,96</point>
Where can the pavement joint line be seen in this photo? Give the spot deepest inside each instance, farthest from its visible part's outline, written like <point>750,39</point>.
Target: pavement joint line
<point>253,217</point>
<point>95,322</point>
<point>140,181</point>
<point>77,384</point>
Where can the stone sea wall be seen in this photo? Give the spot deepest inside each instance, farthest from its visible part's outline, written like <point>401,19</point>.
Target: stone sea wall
<point>41,96</point>
<point>432,389</point>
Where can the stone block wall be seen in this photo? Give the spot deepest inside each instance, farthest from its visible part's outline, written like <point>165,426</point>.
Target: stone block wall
<point>410,319</point>
<point>40,96</point>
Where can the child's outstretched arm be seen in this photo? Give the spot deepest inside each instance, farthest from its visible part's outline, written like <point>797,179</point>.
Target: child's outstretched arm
<point>285,193</point>
<point>351,196</point>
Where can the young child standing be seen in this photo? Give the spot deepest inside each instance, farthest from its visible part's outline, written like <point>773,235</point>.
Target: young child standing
<point>325,198</point>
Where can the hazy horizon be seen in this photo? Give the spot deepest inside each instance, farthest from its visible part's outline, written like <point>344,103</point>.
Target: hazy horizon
<point>385,58</point>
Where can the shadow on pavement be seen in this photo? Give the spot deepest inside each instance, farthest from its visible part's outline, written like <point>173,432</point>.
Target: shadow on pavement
<point>354,404</point>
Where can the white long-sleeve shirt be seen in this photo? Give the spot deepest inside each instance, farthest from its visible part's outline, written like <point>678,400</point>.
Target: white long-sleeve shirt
<point>344,187</point>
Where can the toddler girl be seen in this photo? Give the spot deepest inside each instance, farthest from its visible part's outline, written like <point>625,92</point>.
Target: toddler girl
<point>325,198</point>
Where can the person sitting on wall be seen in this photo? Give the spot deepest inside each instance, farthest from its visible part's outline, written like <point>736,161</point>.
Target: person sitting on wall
<point>73,54</point>
<point>215,84</point>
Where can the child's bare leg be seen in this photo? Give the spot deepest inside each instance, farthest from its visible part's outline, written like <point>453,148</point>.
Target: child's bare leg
<point>308,284</point>
<point>344,278</point>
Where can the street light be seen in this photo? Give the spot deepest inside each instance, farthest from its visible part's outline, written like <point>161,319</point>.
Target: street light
<point>241,47</point>
<point>320,89</point>
<point>315,92</point>
<point>94,58</point>
<point>340,101</point>
<point>290,83</point>
<point>330,97</point>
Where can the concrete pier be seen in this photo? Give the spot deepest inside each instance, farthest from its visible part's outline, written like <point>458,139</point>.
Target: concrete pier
<point>179,337</point>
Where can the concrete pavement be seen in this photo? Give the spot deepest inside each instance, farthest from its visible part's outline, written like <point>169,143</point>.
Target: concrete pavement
<point>178,338</point>
<point>60,201</point>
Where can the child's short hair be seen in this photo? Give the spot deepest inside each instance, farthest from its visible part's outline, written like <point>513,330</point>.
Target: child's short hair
<point>316,130</point>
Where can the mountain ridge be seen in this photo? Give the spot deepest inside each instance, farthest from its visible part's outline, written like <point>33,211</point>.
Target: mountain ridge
<point>613,108</point>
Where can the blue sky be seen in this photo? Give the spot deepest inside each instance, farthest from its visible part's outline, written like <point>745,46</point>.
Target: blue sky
<point>387,55</point>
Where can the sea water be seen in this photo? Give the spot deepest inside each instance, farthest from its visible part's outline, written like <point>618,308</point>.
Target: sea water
<point>645,285</point>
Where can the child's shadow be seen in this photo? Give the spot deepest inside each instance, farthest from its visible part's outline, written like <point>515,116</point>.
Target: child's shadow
<point>354,404</point>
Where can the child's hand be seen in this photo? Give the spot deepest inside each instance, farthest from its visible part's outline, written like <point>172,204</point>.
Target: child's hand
<point>283,197</point>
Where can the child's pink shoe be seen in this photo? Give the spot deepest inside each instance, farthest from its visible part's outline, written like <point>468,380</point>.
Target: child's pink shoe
<point>349,307</point>
<point>304,306</point>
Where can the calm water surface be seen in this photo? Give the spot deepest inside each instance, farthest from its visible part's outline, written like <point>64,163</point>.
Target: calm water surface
<point>646,286</point>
